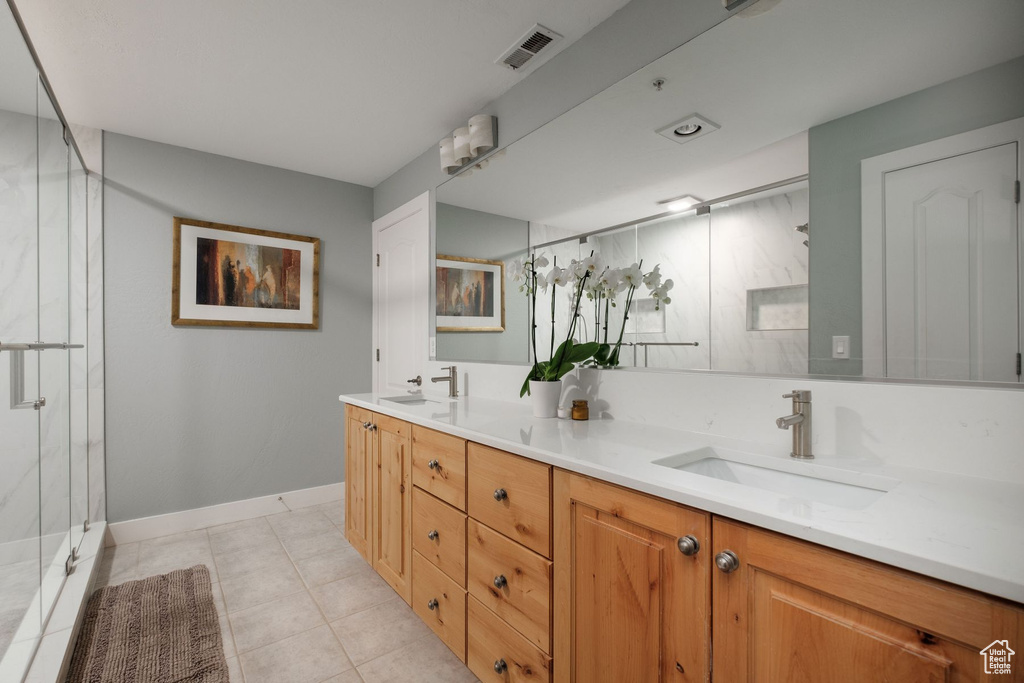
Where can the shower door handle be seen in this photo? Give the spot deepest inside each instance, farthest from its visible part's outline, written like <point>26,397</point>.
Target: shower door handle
<point>17,352</point>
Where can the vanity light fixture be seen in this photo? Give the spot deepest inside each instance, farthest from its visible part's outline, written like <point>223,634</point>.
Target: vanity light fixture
<point>677,204</point>
<point>689,128</point>
<point>467,144</point>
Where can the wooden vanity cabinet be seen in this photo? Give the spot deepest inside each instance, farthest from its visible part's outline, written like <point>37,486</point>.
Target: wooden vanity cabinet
<point>358,483</point>
<point>795,611</point>
<point>378,494</point>
<point>629,605</point>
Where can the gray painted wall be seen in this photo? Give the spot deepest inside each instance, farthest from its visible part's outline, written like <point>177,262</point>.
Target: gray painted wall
<point>201,416</point>
<point>632,38</point>
<point>476,234</point>
<point>974,101</point>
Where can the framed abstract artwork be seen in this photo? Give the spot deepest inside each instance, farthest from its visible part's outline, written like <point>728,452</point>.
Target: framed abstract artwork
<point>470,295</point>
<point>226,275</point>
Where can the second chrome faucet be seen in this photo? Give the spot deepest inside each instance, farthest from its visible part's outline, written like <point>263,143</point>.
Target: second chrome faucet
<point>800,421</point>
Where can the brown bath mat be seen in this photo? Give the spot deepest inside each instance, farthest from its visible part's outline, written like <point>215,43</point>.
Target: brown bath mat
<point>162,629</point>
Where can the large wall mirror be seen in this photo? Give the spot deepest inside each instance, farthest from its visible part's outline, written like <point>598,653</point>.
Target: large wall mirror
<point>850,174</point>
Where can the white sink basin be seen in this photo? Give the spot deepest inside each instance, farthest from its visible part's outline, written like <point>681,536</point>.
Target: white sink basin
<point>801,480</point>
<point>410,399</point>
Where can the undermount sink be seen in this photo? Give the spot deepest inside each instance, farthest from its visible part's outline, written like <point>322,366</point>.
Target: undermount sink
<point>801,480</point>
<point>410,399</point>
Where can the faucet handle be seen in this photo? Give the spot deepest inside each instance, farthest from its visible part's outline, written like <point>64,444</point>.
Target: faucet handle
<point>799,395</point>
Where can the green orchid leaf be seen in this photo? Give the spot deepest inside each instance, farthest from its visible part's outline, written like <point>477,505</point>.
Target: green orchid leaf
<point>581,352</point>
<point>603,353</point>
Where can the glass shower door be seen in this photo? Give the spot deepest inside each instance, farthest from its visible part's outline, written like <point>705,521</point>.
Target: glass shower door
<point>53,364</point>
<point>21,610</point>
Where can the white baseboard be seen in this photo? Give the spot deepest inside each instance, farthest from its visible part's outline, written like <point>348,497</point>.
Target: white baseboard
<point>199,518</point>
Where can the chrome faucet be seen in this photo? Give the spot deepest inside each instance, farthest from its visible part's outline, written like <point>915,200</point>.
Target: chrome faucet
<point>453,381</point>
<point>800,421</point>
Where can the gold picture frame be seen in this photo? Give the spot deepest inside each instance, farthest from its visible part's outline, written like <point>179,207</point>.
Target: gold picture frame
<point>469,294</point>
<point>232,276</point>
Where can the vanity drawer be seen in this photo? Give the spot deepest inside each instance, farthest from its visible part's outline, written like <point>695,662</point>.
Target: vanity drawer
<point>439,465</point>
<point>511,495</point>
<point>447,549</point>
<point>512,581</point>
<point>431,588</point>
<point>495,646</point>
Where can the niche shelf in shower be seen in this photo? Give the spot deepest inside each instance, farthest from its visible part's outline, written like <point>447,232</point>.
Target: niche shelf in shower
<point>777,308</point>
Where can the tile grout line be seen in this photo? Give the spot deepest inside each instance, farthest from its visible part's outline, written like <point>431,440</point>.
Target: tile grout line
<point>319,607</point>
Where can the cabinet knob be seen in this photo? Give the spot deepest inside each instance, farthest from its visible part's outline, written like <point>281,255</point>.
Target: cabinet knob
<point>432,605</point>
<point>432,534</point>
<point>433,464</point>
<point>366,425</point>
<point>727,561</point>
<point>500,581</point>
<point>688,545</point>
<point>500,666</point>
<point>500,495</point>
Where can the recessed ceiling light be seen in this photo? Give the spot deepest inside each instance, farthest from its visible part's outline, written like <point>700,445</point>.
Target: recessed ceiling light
<point>678,204</point>
<point>689,128</point>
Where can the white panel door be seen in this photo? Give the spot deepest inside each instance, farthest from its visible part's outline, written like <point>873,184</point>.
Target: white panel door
<point>401,296</point>
<point>951,268</point>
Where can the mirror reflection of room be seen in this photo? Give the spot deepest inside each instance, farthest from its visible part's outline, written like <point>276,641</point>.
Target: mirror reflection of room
<point>826,275</point>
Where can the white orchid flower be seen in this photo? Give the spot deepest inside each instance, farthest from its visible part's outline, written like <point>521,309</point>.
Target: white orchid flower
<point>517,271</point>
<point>610,279</point>
<point>540,261</point>
<point>653,279</point>
<point>633,276</point>
<point>558,277</point>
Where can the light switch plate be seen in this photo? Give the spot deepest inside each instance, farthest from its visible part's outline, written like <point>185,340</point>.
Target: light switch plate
<point>841,347</point>
<point>433,347</point>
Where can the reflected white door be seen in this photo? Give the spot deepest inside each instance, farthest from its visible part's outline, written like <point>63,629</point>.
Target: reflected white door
<point>951,268</point>
<point>401,295</point>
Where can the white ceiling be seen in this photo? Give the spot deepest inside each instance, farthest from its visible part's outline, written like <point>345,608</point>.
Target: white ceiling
<point>346,90</point>
<point>765,79</point>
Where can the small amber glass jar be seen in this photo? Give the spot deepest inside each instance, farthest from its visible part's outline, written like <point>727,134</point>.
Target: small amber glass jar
<point>580,410</point>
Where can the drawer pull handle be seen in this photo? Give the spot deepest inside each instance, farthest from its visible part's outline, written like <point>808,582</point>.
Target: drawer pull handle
<point>727,561</point>
<point>688,545</point>
<point>500,495</point>
<point>500,666</point>
<point>433,464</point>
<point>432,605</point>
<point>500,581</point>
<point>432,534</point>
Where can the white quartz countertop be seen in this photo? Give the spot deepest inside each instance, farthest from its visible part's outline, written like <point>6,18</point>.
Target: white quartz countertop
<point>965,530</point>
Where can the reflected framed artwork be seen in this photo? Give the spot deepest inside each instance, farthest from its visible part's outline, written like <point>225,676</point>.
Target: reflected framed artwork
<point>470,295</point>
<point>226,275</point>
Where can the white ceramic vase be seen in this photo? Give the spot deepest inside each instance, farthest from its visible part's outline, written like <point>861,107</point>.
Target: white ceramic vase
<point>545,397</point>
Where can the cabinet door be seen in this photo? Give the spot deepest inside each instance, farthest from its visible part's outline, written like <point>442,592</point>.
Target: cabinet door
<point>629,606</point>
<point>392,507</point>
<point>358,482</point>
<point>794,611</point>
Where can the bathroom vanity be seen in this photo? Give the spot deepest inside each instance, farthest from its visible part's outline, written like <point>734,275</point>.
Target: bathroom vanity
<point>552,550</point>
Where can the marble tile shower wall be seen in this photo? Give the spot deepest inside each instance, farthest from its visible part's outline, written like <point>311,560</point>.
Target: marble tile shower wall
<point>681,247</point>
<point>18,487</point>
<point>754,246</point>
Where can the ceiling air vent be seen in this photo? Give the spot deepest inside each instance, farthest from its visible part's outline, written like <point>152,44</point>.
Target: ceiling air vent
<point>524,50</point>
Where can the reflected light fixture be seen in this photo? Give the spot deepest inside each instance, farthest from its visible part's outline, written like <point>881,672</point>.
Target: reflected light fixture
<point>467,144</point>
<point>689,128</point>
<point>677,204</point>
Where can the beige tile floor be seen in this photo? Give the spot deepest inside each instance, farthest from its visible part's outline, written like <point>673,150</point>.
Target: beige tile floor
<point>297,603</point>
